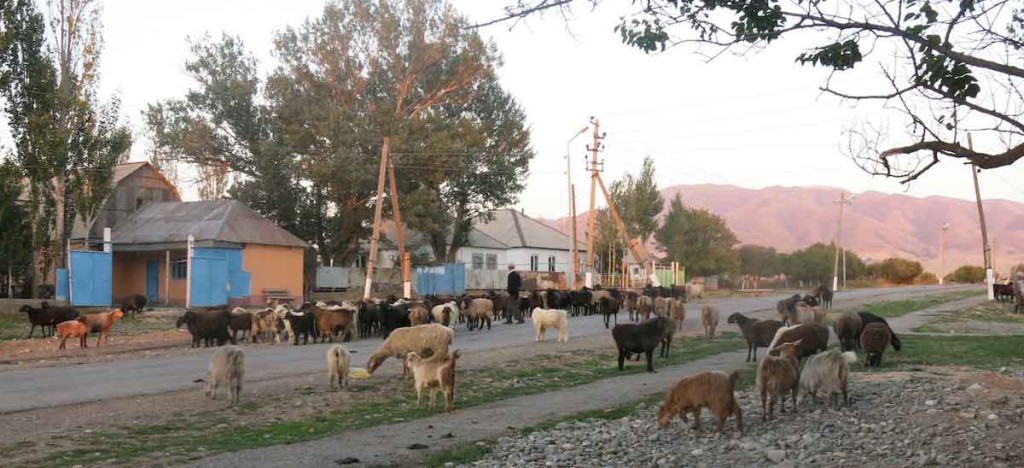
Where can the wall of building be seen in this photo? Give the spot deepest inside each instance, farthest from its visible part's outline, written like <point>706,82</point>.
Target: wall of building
<point>521,258</point>
<point>129,276</point>
<point>142,187</point>
<point>273,267</point>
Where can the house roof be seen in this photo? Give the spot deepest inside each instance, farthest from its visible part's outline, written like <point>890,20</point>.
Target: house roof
<point>516,230</point>
<point>415,239</point>
<point>228,221</point>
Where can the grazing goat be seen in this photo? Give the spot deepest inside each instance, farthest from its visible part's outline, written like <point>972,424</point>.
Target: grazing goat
<point>207,325</point>
<point>338,361</point>
<point>436,373</point>
<point>847,328</point>
<point>550,318</point>
<point>100,323</point>
<point>709,318</point>
<point>874,339</point>
<point>868,317</point>
<point>813,338</point>
<point>241,321</point>
<point>755,332</point>
<point>73,329</point>
<point>639,338</point>
<point>777,376</point>
<point>227,368</point>
<point>133,304</point>
<point>828,371</point>
<point>712,390</point>
<point>427,340</point>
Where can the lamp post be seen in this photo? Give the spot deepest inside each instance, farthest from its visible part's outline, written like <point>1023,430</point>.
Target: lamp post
<point>572,209</point>
<point>843,200</point>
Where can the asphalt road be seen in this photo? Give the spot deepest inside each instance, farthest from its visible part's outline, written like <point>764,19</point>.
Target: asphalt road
<point>28,389</point>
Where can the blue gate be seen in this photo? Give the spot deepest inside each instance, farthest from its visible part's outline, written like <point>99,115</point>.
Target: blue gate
<point>91,278</point>
<point>449,278</point>
<point>216,275</point>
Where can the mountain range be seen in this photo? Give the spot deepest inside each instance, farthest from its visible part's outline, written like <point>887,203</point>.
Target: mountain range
<point>875,225</point>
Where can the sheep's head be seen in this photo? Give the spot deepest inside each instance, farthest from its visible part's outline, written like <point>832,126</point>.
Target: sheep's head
<point>373,363</point>
<point>896,342</point>
<point>732,318</point>
<point>25,309</point>
<point>183,319</point>
<point>116,314</point>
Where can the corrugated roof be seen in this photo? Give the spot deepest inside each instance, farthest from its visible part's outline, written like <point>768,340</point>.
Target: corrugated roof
<point>415,239</point>
<point>218,220</point>
<point>516,230</point>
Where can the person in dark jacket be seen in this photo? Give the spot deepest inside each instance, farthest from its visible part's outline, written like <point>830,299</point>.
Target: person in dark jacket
<point>515,283</point>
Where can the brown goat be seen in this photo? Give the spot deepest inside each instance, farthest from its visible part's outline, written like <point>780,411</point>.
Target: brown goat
<point>777,376</point>
<point>73,329</point>
<point>100,323</point>
<point>437,373</point>
<point>712,390</point>
<point>329,321</point>
<point>874,339</point>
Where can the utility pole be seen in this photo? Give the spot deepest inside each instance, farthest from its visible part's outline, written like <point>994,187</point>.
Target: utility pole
<point>378,205</point>
<point>572,211</point>
<point>595,149</point>
<point>942,253</point>
<point>984,230</point>
<point>843,200</point>
<point>396,213</point>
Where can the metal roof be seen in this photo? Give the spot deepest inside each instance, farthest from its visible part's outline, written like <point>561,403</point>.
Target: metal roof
<point>224,221</point>
<point>516,230</point>
<point>415,239</point>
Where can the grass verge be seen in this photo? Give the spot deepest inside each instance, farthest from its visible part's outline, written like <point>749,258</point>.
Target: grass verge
<point>977,319</point>
<point>16,327</point>
<point>906,306</point>
<point>213,433</point>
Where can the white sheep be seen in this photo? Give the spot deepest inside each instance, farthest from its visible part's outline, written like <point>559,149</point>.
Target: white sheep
<point>227,368</point>
<point>709,318</point>
<point>453,314</point>
<point>661,305</point>
<point>428,340</point>
<point>338,360</point>
<point>694,290</point>
<point>550,318</point>
<point>828,371</point>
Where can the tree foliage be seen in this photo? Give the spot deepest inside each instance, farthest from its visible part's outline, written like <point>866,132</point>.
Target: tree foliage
<point>968,274</point>
<point>759,261</point>
<point>15,228</point>
<point>948,66</point>
<point>698,239</point>
<point>897,270</point>
<point>816,263</point>
<point>638,202</point>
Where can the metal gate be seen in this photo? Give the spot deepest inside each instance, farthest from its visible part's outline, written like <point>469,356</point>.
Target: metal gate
<point>449,278</point>
<point>215,275</point>
<point>90,278</point>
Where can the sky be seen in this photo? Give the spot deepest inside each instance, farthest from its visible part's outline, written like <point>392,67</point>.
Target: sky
<point>754,121</point>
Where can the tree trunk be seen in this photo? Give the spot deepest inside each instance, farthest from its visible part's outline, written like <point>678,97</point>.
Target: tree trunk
<point>59,186</point>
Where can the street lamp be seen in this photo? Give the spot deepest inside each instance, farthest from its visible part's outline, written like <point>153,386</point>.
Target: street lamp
<point>843,200</point>
<point>572,238</point>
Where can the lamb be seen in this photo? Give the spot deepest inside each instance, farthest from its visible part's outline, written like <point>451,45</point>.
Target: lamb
<point>777,376</point>
<point>644,308</point>
<point>241,320</point>
<point>446,314</point>
<point>428,340</point>
<point>338,363</point>
<point>227,368</point>
<point>712,390</point>
<point>434,374</point>
<point>478,312</point>
<point>639,338</point>
<point>814,338</point>
<point>73,329</point>
<point>133,304</point>
<point>755,332</point>
<point>677,312</point>
<point>828,371</point>
<point>207,325</point>
<point>868,317</point>
<point>847,328</point>
<point>874,339</point>
<point>709,318</point>
<point>550,318</point>
<point>100,323</point>
<point>661,306</point>
<point>694,291</point>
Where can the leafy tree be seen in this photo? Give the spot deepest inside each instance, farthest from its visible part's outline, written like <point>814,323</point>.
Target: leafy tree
<point>758,260</point>
<point>698,239</point>
<point>948,66</point>
<point>927,278</point>
<point>15,228</point>
<point>813,264</point>
<point>897,270</point>
<point>638,202</point>
<point>968,274</point>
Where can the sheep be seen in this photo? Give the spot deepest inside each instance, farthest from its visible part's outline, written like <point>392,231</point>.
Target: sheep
<point>813,338</point>
<point>712,390</point>
<point>446,314</point>
<point>133,304</point>
<point>847,328</point>
<point>369,317</point>
<point>868,317</point>
<point>428,340</point>
<point>477,312</point>
<point>826,298</point>
<point>694,291</point>
<point>47,317</point>
<point>644,308</point>
<point>437,373</point>
<point>281,311</point>
<point>301,322</point>
<point>338,363</point>
<point>227,368</point>
<point>755,332</point>
<point>581,302</point>
<point>100,323</point>
<point>709,318</point>
<point>609,307</point>
<point>874,339</point>
<point>677,312</point>
<point>550,318</point>
<point>661,306</point>
<point>630,304</point>
<point>207,325</point>
<point>241,320</point>
<point>777,376</point>
<point>805,313</point>
<point>418,314</point>
<point>639,338</point>
<point>828,371</point>
<point>73,329</point>
<point>667,329</point>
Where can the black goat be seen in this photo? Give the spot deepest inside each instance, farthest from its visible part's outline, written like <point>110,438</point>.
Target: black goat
<point>640,338</point>
<point>302,323</point>
<point>133,304</point>
<point>47,317</point>
<point>207,326</point>
<point>868,317</point>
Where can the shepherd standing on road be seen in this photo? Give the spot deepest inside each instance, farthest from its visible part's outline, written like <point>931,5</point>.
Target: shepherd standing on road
<point>515,282</point>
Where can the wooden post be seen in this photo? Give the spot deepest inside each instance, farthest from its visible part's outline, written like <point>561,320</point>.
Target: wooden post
<point>397,215</point>
<point>593,193</point>
<point>984,229</point>
<point>371,260</point>
<point>188,270</point>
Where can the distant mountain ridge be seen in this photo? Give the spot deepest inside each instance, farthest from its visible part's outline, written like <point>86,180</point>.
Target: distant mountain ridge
<point>875,225</point>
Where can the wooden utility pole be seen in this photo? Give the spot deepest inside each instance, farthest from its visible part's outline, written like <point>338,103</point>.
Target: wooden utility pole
<point>984,230</point>
<point>593,194</point>
<point>371,261</point>
<point>397,215</point>
<point>843,200</point>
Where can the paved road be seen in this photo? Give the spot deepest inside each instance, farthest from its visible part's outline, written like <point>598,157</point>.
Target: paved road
<point>28,389</point>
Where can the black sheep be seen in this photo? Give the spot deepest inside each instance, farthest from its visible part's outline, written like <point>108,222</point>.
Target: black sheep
<point>640,338</point>
<point>302,323</point>
<point>755,332</point>
<point>369,319</point>
<point>207,325</point>
<point>868,317</point>
<point>47,318</point>
<point>133,304</point>
<point>393,317</point>
<point>609,307</point>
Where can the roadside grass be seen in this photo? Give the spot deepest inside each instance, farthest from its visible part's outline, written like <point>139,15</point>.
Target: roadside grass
<point>960,321</point>
<point>17,326</point>
<point>890,309</point>
<point>393,401</point>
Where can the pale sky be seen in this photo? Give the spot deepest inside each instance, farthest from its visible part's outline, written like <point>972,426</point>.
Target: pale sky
<point>751,121</point>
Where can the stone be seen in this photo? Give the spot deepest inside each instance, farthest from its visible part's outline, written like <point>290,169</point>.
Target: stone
<point>967,414</point>
<point>775,455</point>
<point>931,403</point>
<point>567,447</point>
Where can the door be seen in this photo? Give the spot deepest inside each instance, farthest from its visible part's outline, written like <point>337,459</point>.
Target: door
<point>90,278</point>
<point>209,282</point>
<point>153,280</point>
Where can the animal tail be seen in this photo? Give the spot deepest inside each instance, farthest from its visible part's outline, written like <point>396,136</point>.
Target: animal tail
<point>850,357</point>
<point>455,355</point>
<point>237,359</point>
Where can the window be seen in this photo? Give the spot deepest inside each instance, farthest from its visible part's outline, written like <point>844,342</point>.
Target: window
<point>551,263</point>
<point>492,262</point>
<point>534,263</point>
<point>478,261</point>
<point>179,270</point>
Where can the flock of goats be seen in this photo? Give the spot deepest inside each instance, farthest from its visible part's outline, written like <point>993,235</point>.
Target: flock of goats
<point>420,333</point>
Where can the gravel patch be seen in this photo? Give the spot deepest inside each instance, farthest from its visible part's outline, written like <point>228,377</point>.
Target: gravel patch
<point>911,421</point>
